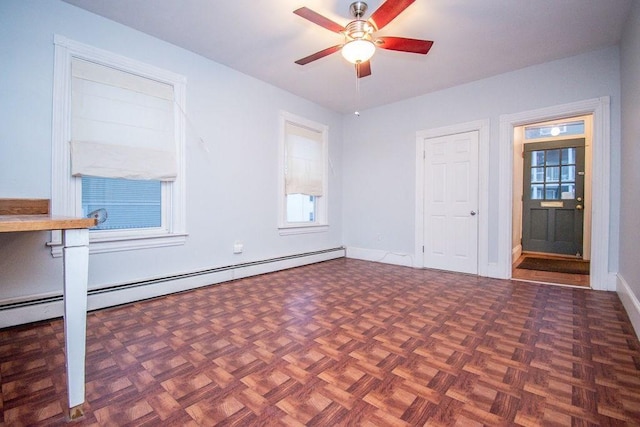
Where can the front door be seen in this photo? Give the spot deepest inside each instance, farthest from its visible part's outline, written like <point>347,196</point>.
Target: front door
<point>451,202</point>
<point>553,197</point>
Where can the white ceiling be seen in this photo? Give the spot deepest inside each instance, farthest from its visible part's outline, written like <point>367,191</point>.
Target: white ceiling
<point>473,39</point>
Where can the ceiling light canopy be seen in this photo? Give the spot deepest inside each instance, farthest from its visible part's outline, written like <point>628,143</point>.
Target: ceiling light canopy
<point>358,51</point>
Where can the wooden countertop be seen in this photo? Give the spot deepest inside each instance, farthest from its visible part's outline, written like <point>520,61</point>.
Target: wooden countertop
<point>33,215</point>
<point>9,223</point>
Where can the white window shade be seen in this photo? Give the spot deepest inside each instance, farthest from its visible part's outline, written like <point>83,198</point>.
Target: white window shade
<point>122,124</point>
<point>304,161</point>
<point>120,161</point>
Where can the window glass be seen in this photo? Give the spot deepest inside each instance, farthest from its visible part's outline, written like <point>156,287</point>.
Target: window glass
<point>537,191</point>
<point>568,156</point>
<point>568,191</point>
<point>553,174</point>
<point>568,173</point>
<point>552,192</point>
<point>537,158</point>
<point>556,129</point>
<point>552,157</point>
<point>122,203</point>
<point>301,208</point>
<point>537,174</point>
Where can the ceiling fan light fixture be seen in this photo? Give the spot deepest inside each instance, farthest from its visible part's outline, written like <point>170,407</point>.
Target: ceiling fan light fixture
<point>358,50</point>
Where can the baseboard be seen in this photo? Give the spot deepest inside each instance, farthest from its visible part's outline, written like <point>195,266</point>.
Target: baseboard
<point>47,306</point>
<point>515,253</point>
<point>630,303</point>
<point>612,282</point>
<point>495,271</point>
<point>395,258</point>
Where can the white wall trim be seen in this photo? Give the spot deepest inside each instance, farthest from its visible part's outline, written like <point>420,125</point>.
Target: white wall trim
<point>483,128</point>
<point>515,253</point>
<point>48,306</point>
<point>378,255</point>
<point>630,302</point>
<point>600,108</point>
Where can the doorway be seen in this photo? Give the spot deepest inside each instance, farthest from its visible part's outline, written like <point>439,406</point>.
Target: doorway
<point>551,204</point>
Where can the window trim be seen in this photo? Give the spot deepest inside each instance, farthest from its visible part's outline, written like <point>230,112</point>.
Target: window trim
<point>66,191</point>
<point>321,223</point>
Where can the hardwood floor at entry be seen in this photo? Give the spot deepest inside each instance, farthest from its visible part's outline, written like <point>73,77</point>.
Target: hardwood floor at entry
<point>548,276</point>
<point>339,343</point>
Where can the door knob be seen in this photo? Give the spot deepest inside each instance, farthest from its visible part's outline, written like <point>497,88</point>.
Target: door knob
<point>473,213</point>
<point>579,207</point>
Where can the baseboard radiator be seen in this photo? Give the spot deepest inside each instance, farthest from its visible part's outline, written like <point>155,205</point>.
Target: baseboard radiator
<point>45,307</point>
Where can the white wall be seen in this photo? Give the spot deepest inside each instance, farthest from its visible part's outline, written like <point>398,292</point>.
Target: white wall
<point>379,149</point>
<point>231,176</point>
<point>629,272</point>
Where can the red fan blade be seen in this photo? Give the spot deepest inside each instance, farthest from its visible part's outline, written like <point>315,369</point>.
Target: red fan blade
<point>388,11</point>
<point>404,45</point>
<point>318,19</point>
<point>363,69</point>
<point>318,55</point>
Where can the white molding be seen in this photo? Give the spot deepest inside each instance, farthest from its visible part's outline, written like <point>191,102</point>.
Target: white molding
<point>630,302</point>
<point>66,190</point>
<point>515,253</point>
<point>600,109</point>
<point>289,231</point>
<point>98,300</point>
<point>385,257</point>
<point>130,244</point>
<point>483,129</point>
<point>493,270</point>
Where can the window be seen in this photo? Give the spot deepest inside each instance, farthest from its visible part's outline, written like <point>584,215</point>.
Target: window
<point>554,130</point>
<point>118,148</point>
<point>303,175</point>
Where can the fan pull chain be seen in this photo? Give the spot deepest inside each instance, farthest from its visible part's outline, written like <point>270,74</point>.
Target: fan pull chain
<point>357,112</point>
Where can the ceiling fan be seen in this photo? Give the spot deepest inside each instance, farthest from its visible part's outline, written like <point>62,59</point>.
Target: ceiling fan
<point>359,35</point>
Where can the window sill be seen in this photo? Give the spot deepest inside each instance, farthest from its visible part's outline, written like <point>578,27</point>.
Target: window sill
<point>303,229</point>
<point>118,244</point>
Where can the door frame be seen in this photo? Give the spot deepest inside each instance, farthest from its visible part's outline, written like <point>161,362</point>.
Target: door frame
<point>518,164</point>
<point>482,127</point>
<point>599,108</point>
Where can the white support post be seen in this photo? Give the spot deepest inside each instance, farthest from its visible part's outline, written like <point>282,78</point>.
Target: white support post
<point>76,271</point>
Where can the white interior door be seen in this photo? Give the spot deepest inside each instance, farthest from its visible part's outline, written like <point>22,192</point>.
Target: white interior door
<point>451,202</point>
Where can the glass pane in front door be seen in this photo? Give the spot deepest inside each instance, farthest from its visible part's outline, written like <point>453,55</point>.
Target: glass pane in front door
<point>553,174</point>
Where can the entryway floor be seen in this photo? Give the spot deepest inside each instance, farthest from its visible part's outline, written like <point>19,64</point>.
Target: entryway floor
<point>548,276</point>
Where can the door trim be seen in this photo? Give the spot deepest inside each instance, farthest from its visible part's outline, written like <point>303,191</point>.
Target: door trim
<point>600,178</point>
<point>482,127</point>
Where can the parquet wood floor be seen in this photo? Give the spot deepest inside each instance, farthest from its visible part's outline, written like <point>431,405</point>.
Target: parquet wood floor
<point>343,342</point>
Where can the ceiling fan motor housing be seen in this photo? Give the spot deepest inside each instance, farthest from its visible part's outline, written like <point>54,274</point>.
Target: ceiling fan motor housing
<point>359,29</point>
